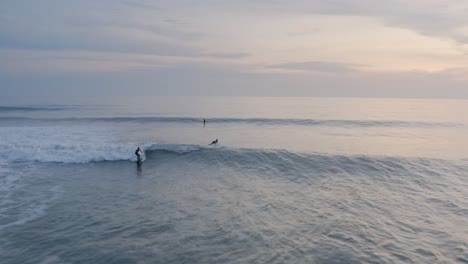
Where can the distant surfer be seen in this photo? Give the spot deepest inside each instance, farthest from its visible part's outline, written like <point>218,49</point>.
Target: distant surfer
<point>214,142</point>
<point>204,122</point>
<point>138,153</point>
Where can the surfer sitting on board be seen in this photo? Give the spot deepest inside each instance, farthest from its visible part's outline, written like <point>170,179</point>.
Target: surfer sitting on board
<point>214,142</point>
<point>138,153</point>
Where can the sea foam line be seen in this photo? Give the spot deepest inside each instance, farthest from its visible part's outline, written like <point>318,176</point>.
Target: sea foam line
<point>84,152</point>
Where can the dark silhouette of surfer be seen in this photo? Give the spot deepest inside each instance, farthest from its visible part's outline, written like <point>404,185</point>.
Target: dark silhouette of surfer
<point>214,142</point>
<point>204,122</point>
<point>138,154</point>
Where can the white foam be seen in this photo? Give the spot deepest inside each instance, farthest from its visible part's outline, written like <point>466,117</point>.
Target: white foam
<point>10,213</point>
<point>82,152</point>
<point>19,209</point>
<point>61,144</point>
<point>31,207</point>
<point>74,145</point>
<point>7,183</point>
<point>67,153</point>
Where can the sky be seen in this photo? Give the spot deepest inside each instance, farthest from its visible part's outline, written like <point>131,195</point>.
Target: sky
<point>335,48</point>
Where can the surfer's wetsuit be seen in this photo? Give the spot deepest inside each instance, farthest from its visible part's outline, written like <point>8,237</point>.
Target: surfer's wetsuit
<point>137,152</point>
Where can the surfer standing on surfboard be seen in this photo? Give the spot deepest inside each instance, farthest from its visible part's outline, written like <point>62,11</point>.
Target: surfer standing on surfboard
<point>138,153</point>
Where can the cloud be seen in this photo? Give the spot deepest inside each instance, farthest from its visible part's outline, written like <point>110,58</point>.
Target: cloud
<point>238,55</point>
<point>140,4</point>
<point>125,26</point>
<point>436,18</point>
<point>20,61</point>
<point>59,26</point>
<point>317,66</point>
<point>93,41</point>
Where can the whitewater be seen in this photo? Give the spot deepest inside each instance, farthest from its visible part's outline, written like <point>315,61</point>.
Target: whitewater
<point>293,180</point>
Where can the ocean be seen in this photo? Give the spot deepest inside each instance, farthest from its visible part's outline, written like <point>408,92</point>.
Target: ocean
<point>292,180</point>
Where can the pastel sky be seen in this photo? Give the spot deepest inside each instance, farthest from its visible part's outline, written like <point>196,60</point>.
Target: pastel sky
<point>359,48</point>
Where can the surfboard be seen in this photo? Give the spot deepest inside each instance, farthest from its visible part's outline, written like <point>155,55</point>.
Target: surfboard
<point>135,159</point>
<point>141,159</point>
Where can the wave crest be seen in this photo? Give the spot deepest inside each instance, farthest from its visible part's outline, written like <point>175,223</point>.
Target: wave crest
<point>234,157</point>
<point>84,153</point>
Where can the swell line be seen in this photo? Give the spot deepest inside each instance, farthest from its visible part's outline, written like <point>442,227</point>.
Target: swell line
<point>252,121</point>
<point>31,108</point>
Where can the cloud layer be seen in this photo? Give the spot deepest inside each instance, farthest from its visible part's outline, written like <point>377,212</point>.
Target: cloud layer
<point>276,47</point>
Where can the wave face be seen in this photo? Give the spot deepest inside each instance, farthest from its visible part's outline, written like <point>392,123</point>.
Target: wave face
<point>240,121</point>
<point>238,158</point>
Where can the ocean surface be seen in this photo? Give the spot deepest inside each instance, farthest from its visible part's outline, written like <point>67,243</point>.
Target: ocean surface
<point>292,180</point>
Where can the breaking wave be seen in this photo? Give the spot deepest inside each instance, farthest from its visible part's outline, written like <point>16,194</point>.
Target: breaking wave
<point>270,159</point>
<point>83,152</point>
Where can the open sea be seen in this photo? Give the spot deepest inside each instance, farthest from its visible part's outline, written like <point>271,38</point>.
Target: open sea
<point>292,180</point>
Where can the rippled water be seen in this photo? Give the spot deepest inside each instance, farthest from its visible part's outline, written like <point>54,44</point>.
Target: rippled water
<point>360,184</point>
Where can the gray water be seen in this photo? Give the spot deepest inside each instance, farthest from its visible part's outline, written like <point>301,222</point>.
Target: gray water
<point>292,181</point>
